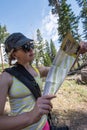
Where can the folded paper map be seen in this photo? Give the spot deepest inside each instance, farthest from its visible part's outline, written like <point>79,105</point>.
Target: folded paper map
<point>61,65</point>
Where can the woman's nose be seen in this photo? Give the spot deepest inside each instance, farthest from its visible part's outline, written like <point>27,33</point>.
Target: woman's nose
<point>31,49</point>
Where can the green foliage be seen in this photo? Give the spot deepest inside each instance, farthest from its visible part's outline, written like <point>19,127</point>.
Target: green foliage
<point>68,22</point>
<point>39,48</point>
<point>83,16</point>
<point>47,49</point>
<point>81,2</point>
<point>46,56</point>
<point>84,20</point>
<point>52,50</point>
<point>55,6</point>
<point>47,60</point>
<point>44,52</point>
<point>50,53</point>
<point>39,37</point>
<point>3,33</point>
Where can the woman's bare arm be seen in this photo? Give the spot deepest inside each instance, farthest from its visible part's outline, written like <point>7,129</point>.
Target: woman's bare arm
<point>7,122</point>
<point>43,71</point>
<point>42,106</point>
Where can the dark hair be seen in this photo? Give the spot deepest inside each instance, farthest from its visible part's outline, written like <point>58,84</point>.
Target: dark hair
<point>11,58</point>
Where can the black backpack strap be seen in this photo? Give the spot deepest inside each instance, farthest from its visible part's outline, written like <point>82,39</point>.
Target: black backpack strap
<point>26,78</point>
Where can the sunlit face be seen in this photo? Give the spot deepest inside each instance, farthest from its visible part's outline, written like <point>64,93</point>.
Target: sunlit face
<point>25,53</point>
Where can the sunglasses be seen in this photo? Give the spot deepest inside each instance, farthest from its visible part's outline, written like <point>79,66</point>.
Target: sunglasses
<point>26,47</point>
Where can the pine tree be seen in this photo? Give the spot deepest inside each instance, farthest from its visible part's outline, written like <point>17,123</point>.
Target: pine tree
<point>47,60</point>
<point>81,2</point>
<point>55,6</point>
<point>53,50</point>
<point>83,16</point>
<point>67,21</point>
<point>39,48</point>
<point>3,36</point>
<point>47,49</point>
<point>46,56</point>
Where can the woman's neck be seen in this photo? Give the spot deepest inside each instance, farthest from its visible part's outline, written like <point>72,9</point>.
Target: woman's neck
<point>26,65</point>
<point>29,68</point>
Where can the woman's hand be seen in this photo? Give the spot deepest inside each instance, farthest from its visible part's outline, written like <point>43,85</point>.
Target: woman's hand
<point>42,106</point>
<point>83,47</point>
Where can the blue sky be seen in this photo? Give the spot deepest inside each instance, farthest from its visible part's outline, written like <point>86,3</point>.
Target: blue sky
<point>27,16</point>
<point>22,15</point>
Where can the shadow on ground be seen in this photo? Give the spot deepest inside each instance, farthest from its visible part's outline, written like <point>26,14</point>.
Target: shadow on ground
<point>76,120</point>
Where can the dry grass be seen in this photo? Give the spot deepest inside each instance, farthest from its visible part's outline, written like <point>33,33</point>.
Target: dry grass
<point>70,106</point>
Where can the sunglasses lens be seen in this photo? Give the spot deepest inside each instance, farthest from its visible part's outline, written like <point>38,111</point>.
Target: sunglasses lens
<point>32,45</point>
<point>28,47</point>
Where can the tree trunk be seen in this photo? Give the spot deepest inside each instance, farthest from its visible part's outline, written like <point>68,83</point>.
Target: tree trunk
<point>2,63</point>
<point>72,72</point>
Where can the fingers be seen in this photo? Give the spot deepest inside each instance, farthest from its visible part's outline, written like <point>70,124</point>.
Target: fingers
<point>44,109</point>
<point>44,103</point>
<point>43,106</point>
<point>46,100</point>
<point>49,97</point>
<point>83,47</point>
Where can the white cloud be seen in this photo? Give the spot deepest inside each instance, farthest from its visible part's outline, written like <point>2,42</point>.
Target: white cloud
<point>49,27</point>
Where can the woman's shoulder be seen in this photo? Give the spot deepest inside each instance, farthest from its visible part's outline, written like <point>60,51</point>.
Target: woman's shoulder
<point>43,70</point>
<point>6,78</point>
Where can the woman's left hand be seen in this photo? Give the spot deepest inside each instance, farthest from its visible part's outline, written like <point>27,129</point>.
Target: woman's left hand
<point>83,47</point>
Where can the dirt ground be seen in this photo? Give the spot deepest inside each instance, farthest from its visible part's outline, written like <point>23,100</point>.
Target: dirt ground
<point>69,107</point>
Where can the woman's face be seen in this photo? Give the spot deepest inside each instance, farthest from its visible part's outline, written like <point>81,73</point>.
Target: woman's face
<point>24,55</point>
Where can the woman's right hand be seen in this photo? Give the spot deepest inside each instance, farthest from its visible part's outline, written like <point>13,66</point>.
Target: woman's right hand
<point>43,106</point>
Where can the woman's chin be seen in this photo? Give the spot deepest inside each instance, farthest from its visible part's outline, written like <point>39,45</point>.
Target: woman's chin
<point>31,59</point>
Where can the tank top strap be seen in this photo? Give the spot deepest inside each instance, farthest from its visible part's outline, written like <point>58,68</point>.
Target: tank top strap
<point>36,69</point>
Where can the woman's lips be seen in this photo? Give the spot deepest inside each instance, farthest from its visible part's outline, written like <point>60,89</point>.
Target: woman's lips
<point>32,54</point>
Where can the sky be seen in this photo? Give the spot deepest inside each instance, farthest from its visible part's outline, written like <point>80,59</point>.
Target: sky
<point>26,16</point>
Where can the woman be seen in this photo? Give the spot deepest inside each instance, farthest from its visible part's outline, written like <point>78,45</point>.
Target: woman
<point>26,113</point>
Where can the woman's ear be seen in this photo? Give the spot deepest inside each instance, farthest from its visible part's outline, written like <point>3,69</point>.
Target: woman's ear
<point>14,55</point>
